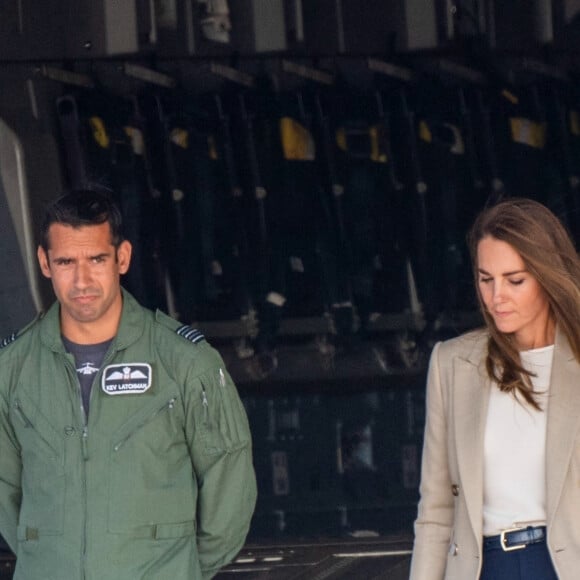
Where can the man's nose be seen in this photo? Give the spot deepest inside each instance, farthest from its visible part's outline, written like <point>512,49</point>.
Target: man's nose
<point>82,275</point>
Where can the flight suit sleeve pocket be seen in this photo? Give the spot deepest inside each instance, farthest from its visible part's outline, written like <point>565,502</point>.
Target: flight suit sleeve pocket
<point>224,425</point>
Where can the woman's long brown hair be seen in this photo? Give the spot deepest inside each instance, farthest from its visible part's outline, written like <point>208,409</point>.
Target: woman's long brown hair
<point>549,255</point>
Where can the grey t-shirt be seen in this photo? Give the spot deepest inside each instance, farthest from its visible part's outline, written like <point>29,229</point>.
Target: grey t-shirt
<point>88,361</point>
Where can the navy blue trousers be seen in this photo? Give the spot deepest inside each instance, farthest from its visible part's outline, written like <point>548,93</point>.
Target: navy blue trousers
<point>531,563</point>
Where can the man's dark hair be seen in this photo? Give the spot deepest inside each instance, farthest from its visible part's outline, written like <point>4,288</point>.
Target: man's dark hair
<point>83,207</point>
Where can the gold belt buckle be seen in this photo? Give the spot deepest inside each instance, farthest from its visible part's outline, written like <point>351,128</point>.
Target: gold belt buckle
<point>503,540</point>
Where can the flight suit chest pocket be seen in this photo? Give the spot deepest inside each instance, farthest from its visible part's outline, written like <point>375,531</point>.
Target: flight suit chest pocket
<point>150,473</point>
<point>42,452</point>
<point>40,442</point>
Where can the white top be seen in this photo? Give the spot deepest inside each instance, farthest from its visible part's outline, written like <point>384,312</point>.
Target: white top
<point>514,476</point>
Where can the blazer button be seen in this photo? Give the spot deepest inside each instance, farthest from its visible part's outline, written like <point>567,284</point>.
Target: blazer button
<point>455,489</point>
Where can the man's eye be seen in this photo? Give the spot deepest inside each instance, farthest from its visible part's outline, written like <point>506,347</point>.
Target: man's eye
<point>98,259</point>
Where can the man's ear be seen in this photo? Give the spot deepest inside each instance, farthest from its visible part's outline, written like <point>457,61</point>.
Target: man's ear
<point>43,261</point>
<point>124,252</point>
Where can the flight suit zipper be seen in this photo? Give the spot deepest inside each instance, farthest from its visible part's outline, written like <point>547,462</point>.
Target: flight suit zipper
<point>84,455</point>
<point>85,448</point>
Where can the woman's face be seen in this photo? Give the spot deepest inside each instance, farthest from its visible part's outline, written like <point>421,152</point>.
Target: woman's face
<point>513,297</point>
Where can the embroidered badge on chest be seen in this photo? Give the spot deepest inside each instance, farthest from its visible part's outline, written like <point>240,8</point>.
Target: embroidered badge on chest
<point>126,379</point>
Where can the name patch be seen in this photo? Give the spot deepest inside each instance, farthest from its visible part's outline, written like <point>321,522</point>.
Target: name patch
<point>126,379</point>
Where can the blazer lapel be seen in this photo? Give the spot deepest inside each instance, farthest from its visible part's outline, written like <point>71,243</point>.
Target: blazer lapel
<point>471,399</point>
<point>563,421</point>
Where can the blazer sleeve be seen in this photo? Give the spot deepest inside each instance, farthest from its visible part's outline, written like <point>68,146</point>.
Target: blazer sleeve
<point>434,521</point>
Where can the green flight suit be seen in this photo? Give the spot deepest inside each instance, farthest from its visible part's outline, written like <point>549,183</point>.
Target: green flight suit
<point>156,484</point>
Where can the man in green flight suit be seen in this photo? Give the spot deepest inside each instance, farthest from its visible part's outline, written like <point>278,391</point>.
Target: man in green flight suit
<point>125,451</point>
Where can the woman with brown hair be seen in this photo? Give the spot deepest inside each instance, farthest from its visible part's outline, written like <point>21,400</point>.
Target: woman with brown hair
<point>500,484</point>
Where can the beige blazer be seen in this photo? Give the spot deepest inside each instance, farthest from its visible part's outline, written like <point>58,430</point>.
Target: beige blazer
<point>448,529</point>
